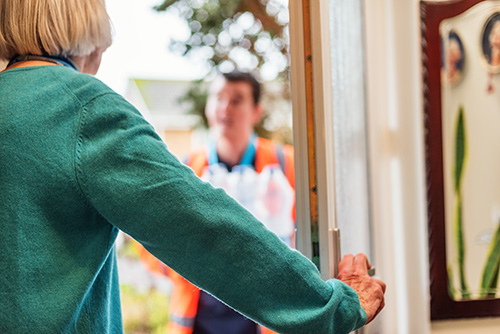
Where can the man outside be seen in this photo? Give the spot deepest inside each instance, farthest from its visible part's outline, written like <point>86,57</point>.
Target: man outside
<point>233,109</point>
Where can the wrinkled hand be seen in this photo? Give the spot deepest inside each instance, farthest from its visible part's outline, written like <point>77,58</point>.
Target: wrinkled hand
<point>353,270</point>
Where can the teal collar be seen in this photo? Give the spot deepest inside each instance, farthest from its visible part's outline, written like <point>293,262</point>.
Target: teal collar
<point>247,159</point>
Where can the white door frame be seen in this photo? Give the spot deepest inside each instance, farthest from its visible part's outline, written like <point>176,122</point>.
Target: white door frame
<point>396,150</point>
<point>323,119</point>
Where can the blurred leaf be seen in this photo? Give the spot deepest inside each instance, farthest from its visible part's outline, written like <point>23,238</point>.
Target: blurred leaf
<point>460,148</point>
<point>492,266</point>
<point>144,312</point>
<point>459,237</point>
<point>127,249</point>
<point>451,285</point>
<point>460,157</point>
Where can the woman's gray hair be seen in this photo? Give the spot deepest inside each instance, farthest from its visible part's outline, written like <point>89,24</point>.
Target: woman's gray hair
<point>53,27</point>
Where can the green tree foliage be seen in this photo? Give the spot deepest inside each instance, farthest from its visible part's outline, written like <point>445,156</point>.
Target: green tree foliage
<point>245,35</point>
<point>248,35</point>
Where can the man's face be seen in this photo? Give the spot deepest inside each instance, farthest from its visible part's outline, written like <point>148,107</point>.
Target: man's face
<point>231,110</point>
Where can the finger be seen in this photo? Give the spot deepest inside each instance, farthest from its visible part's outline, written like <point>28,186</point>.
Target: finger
<point>379,309</point>
<point>348,257</point>
<point>382,305</point>
<point>361,261</point>
<point>375,314</point>
<point>347,261</point>
<point>382,284</point>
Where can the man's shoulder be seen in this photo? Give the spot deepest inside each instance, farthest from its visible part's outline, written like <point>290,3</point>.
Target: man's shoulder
<point>268,146</point>
<point>269,153</point>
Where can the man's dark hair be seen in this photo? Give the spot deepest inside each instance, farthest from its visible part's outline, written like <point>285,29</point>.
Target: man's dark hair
<point>237,76</point>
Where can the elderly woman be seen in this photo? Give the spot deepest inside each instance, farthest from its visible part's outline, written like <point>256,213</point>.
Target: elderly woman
<point>78,163</point>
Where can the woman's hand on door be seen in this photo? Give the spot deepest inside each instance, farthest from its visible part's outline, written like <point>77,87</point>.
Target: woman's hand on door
<point>353,270</point>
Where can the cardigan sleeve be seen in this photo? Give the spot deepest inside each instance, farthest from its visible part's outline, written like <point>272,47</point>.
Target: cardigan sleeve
<point>130,178</point>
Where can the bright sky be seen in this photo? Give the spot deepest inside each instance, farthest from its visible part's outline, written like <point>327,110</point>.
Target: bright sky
<point>140,45</point>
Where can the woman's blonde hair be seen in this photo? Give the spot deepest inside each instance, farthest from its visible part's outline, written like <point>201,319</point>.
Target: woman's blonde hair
<point>53,27</point>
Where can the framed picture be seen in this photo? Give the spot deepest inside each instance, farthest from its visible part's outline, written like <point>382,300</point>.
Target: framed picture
<point>453,58</point>
<point>462,144</point>
<point>490,43</point>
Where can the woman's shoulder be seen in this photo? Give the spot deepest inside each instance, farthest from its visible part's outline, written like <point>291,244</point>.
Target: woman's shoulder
<point>83,86</point>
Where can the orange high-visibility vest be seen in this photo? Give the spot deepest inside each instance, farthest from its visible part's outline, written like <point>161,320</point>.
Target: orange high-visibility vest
<point>185,296</point>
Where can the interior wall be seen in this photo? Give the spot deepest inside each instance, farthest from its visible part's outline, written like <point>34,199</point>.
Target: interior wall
<point>398,171</point>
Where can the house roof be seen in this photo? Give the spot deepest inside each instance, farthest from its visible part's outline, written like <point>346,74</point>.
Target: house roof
<point>158,96</point>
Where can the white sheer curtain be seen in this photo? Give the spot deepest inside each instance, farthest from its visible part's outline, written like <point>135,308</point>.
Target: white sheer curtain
<point>397,162</point>
<point>349,125</point>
